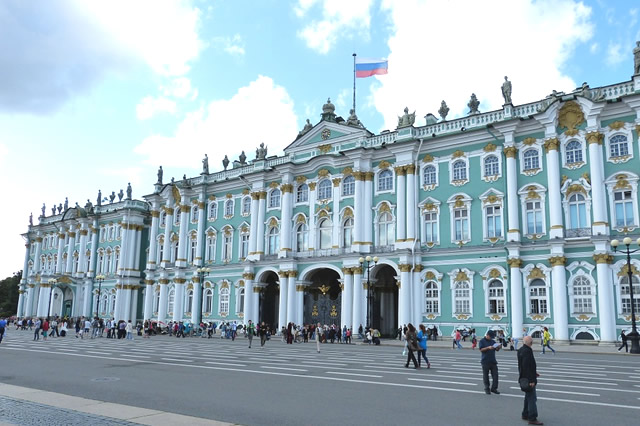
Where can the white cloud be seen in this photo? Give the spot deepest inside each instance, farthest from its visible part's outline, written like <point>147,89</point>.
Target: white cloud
<point>473,47</point>
<point>339,19</point>
<point>180,88</point>
<point>150,106</point>
<point>614,54</point>
<point>232,45</point>
<point>132,175</point>
<point>4,153</point>
<point>222,126</point>
<point>344,101</point>
<point>594,48</point>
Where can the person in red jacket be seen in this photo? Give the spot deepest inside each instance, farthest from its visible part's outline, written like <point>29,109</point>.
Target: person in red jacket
<point>45,328</point>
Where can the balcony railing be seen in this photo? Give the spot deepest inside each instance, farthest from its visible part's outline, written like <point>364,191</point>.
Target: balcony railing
<point>577,233</point>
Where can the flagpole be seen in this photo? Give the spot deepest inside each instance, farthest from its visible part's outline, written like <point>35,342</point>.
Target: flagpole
<point>354,83</point>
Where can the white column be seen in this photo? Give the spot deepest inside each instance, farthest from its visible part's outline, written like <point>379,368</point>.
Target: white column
<point>88,299</point>
<point>312,216</point>
<point>291,296</point>
<point>28,311</point>
<point>401,213</point>
<point>166,247</point>
<point>256,301</point>
<point>358,211</point>
<point>606,304</point>
<point>134,306</point>
<point>178,303</point>
<point>347,298</point>
<point>553,178</point>
<point>417,295</point>
<point>253,237</point>
<point>82,252</point>
<point>61,238</point>
<point>183,242</point>
<point>411,202</point>
<point>404,295</point>
<point>559,291</point>
<point>94,250</point>
<point>117,312</point>
<point>335,213</point>
<point>21,299</point>
<point>248,298</point>
<point>72,246</point>
<point>196,302</point>
<point>513,233</point>
<point>260,228</point>
<point>153,241</point>
<point>43,300</point>
<point>148,300</point>
<point>163,302</point>
<point>25,265</point>
<point>287,206</point>
<point>282,300</point>
<point>138,249</point>
<point>199,260</point>
<point>367,205</point>
<point>36,255</point>
<point>515,287</point>
<point>299,302</point>
<point>598,192</point>
<point>358,299</point>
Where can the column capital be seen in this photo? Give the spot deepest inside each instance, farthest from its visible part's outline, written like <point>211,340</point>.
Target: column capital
<point>594,137</point>
<point>163,281</point>
<point>368,176</point>
<point>551,144</point>
<point>514,262</point>
<point>557,260</point>
<point>249,276</point>
<point>418,268</point>
<point>400,170</point>
<point>604,258</point>
<point>347,270</point>
<point>286,188</point>
<point>149,282</point>
<point>168,210</point>
<point>405,267</point>
<point>511,152</point>
<point>292,274</point>
<point>312,186</point>
<point>410,168</point>
<point>336,182</point>
<point>358,175</point>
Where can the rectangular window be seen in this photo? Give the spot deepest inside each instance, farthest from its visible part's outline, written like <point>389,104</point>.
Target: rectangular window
<point>431,227</point>
<point>624,208</point>
<point>461,223</point>
<point>494,222</point>
<point>534,217</point>
<point>244,245</point>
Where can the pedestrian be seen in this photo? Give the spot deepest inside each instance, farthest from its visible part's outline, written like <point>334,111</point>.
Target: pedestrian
<point>422,342</point>
<point>37,325</point>
<point>546,338</point>
<point>263,333</point>
<point>87,326</point>
<point>234,331</point>
<point>527,370</point>
<point>412,345</point>
<point>488,348</point>
<point>623,336</point>
<point>45,328</point>
<point>251,331</point>
<point>129,330</point>
<point>456,340</point>
<point>318,337</point>
<point>360,332</point>
<point>474,339</point>
<point>3,325</point>
<point>64,328</point>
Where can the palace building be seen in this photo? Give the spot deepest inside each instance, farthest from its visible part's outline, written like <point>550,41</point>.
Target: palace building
<point>496,220</point>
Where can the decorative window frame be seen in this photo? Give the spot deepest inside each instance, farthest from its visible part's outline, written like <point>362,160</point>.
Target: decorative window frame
<point>492,198</point>
<point>244,213</point>
<point>455,157</point>
<point>227,232</point>
<point>458,201</point>
<point>205,292</point>
<point>224,289</point>
<point>177,216</point>
<point>210,233</point>
<point>486,154</point>
<point>377,172</point>
<point>582,269</point>
<point>427,161</point>
<point>305,202</point>
<point>461,275</point>
<point>489,274</point>
<point>534,192</point>
<point>193,238</point>
<point>429,205</point>
<point>270,223</point>
<point>244,229</point>
<point>431,275</point>
<point>269,199</point>
<point>383,207</point>
<point>193,214</point>
<point>530,273</point>
<point>188,307</point>
<point>346,214</point>
<point>324,182</point>
<point>570,187</point>
<point>159,248</point>
<point>298,220</point>
<point>171,306</point>
<point>531,143</point>
<point>620,181</point>
<point>213,204</point>
<point>239,294</point>
<point>619,271</point>
<point>564,141</point>
<point>614,129</point>
<point>320,217</point>
<point>227,202</point>
<point>343,186</point>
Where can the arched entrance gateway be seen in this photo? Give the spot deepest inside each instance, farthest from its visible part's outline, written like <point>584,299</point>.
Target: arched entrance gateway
<point>269,300</point>
<point>322,298</point>
<point>384,299</point>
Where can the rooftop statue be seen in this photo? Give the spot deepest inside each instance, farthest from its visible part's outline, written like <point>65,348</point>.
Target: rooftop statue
<point>473,104</point>
<point>243,158</point>
<point>129,191</point>
<point>506,90</point>
<point>261,153</point>
<point>407,119</point>
<point>120,194</point>
<point>444,110</point>
<point>66,204</point>
<point>112,196</point>
<point>184,177</point>
<point>31,219</point>
<point>160,172</point>
<point>636,59</point>
<point>308,126</point>
<point>44,207</point>
<point>353,119</point>
<point>99,201</point>
<point>53,210</point>
<point>88,206</point>
<point>59,208</point>
<point>225,162</point>
<point>80,212</point>
<point>205,165</point>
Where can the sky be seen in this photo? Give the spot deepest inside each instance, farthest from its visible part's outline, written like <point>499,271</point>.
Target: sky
<point>94,95</point>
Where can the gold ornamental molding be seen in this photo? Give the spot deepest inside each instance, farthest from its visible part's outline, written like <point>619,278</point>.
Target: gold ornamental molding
<point>257,289</point>
<point>168,211</point>
<point>511,152</point>
<point>458,154</point>
<point>301,179</point>
<point>427,158</point>
<point>312,186</point>
<point>282,274</point>
<point>384,164</point>
<point>529,141</point>
<point>494,273</point>
<point>163,281</point>
<point>324,289</point>
<point>71,235</point>
<point>185,208</point>
<point>336,182</point>
<point>536,273</point>
<point>624,271</point>
<point>495,317</point>
<point>287,188</point>
<point>292,274</point>
<point>384,207</point>
<point>538,317</point>
<point>594,137</point>
<point>399,170</point>
<point>300,287</point>
<point>149,282</point>
<point>301,219</point>
<point>418,268</point>
<point>263,195</point>
<point>212,197</point>
<point>461,276</point>
<point>255,196</point>
<point>430,276</point>
<point>245,191</point>
<point>622,182</point>
<point>249,276</point>
<point>323,173</point>
<point>551,145</point>
<point>155,213</point>
<point>489,147</point>
<point>638,129</point>
<point>557,260</point>
<point>273,185</point>
<point>368,176</point>
<point>462,317</point>
<point>176,194</point>
<point>404,267</point>
<point>347,271</point>
<point>357,270</point>
<point>617,125</point>
<point>179,280</point>
<point>570,116</point>
<point>324,148</point>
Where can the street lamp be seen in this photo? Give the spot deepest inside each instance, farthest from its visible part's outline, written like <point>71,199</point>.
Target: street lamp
<point>52,282</point>
<point>633,336</point>
<point>202,272</point>
<point>366,263</point>
<point>100,279</point>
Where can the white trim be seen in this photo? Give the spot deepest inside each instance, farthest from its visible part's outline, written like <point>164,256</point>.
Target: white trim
<point>423,229</point>
<point>486,280</point>
<point>466,200</point>
<point>423,184</point>
<point>624,131</point>
<point>452,284</point>
<point>459,182</point>
<point>523,192</point>
<point>492,178</point>
<point>498,203</point>
<point>522,148</point>
<point>582,269</point>
<point>610,183</point>
<point>526,284</point>
<point>564,141</point>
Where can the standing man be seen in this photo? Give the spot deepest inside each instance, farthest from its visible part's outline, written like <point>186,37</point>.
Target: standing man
<point>318,331</point>
<point>251,330</point>
<point>3,325</point>
<point>527,369</point>
<point>263,333</point>
<point>488,348</point>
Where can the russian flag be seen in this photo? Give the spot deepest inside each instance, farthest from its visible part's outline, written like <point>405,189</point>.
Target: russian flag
<point>366,67</point>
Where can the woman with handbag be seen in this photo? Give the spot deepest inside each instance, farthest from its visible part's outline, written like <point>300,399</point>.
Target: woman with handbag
<point>412,345</point>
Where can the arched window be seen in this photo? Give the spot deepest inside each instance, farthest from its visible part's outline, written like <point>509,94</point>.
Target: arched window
<point>224,300</point>
<point>174,251</point>
<point>188,301</point>
<point>302,237</point>
<point>274,240</point>
<point>228,208</point>
<point>496,297</point>
<point>573,152</point>
<point>213,210</point>
<point>108,262</point>
<point>625,296</point>
<point>460,170</point>
<point>113,304</point>
<point>104,304</point>
<point>171,298</point>
<point>324,227</point>
<point>240,301</point>
<point>324,189</point>
<point>156,301</point>
<point>227,247</point>
<point>538,297</point>
<point>348,186</point>
<point>194,213</point>
<point>431,298</point>
<point>531,159</point>
<point>193,245</point>
<point>429,175</point>
<point>163,220</point>
<point>207,301</point>
<point>491,166</point>
<point>302,193</point>
<point>160,250</point>
<point>493,216</point>
<point>347,232</point>
<point>274,199</point>
<point>176,217</point>
<point>99,263</point>
<point>210,248</point>
<point>462,297</point>
<point>577,212</point>
<point>244,244</point>
<point>582,296</point>
<point>246,206</point>
<point>385,180</point>
<point>618,146</point>
<point>385,229</point>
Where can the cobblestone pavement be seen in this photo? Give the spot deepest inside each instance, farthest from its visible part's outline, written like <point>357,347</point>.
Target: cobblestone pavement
<point>19,412</point>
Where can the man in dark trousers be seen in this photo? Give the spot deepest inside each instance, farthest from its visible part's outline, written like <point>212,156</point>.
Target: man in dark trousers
<point>527,369</point>
<point>488,348</point>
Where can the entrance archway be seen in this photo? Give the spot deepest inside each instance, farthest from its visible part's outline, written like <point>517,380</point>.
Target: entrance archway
<point>385,300</point>
<point>322,298</point>
<point>269,300</point>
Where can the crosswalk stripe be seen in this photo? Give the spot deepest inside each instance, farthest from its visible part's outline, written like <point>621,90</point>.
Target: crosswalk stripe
<point>442,381</point>
<point>353,374</point>
<point>557,391</point>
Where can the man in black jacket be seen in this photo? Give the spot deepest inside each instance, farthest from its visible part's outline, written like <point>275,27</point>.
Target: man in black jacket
<point>527,369</point>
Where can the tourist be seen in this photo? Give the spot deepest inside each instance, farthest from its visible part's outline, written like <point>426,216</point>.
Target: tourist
<point>527,370</point>
<point>412,345</point>
<point>129,330</point>
<point>251,331</point>
<point>263,333</point>
<point>546,338</point>
<point>318,337</point>
<point>488,348</point>
<point>37,325</point>
<point>64,328</point>
<point>456,340</point>
<point>422,342</point>
<point>3,325</point>
<point>623,337</point>
<point>45,328</point>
